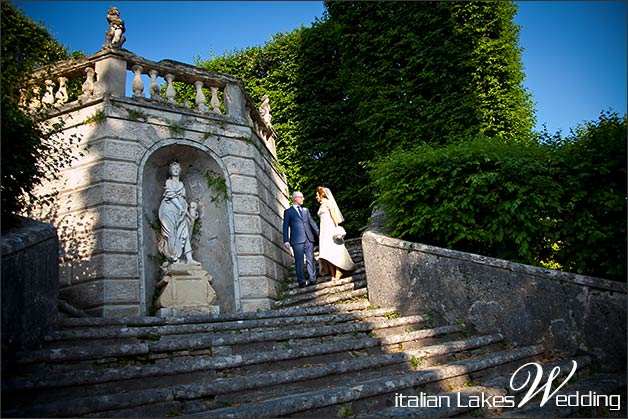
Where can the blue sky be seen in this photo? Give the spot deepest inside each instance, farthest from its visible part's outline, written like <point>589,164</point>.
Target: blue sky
<point>574,53</point>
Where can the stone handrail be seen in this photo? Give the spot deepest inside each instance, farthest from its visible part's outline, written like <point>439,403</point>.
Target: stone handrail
<point>104,73</point>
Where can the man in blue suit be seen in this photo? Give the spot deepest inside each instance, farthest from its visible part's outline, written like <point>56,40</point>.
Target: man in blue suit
<point>300,232</point>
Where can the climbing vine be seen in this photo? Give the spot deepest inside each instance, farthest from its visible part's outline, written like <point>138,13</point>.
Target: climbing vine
<point>217,184</point>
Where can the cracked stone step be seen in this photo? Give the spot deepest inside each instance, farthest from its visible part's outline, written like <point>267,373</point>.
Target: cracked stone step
<point>102,375</point>
<point>126,400</point>
<point>338,395</point>
<point>202,341</point>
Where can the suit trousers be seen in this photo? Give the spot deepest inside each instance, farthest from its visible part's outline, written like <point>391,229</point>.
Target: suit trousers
<point>306,249</point>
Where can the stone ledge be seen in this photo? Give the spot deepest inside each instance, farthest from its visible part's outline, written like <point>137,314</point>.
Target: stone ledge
<point>589,281</point>
<point>27,234</point>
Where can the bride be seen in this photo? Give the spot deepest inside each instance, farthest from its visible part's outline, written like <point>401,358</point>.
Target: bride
<point>334,259</point>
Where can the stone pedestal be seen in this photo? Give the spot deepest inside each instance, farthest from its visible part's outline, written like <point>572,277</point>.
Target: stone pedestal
<point>186,289</point>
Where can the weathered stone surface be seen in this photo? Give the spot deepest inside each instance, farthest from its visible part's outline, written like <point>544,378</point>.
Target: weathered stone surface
<point>255,287</point>
<point>251,265</point>
<point>568,312</point>
<point>240,166</point>
<point>247,224</point>
<point>110,240</point>
<point>117,182</point>
<point>244,184</point>
<point>249,245</point>
<point>246,204</point>
<point>30,284</point>
<point>186,287</point>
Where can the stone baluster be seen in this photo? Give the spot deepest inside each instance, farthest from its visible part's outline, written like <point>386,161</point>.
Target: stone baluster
<point>62,94</point>
<point>170,92</point>
<point>215,102</point>
<point>138,84</point>
<point>200,96</point>
<point>49,96</point>
<point>88,84</point>
<point>154,89</point>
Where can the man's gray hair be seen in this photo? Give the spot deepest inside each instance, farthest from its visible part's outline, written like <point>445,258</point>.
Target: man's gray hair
<point>296,193</point>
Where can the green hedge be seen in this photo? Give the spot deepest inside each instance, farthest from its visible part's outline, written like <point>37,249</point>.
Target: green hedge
<point>559,203</point>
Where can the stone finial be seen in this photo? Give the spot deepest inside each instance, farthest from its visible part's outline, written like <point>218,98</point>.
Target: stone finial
<point>114,36</point>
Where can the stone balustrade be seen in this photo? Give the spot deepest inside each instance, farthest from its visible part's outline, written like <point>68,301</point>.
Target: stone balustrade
<point>105,73</point>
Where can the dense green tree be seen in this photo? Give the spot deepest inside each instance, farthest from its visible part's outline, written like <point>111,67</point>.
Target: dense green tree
<point>559,202</point>
<point>27,157</point>
<point>373,76</point>
<point>591,228</point>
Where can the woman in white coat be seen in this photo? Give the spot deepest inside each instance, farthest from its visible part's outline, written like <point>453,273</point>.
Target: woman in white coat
<point>333,257</point>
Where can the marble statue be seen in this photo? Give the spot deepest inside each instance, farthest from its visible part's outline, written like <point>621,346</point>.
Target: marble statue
<point>177,220</point>
<point>114,35</point>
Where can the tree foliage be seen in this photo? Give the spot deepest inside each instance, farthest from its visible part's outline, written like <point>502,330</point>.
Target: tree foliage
<point>591,166</point>
<point>372,76</point>
<point>557,202</point>
<point>29,154</point>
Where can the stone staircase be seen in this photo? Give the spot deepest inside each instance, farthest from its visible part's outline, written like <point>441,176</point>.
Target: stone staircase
<point>324,351</point>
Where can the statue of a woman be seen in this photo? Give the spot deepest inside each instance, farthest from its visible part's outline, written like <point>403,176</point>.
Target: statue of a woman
<point>177,220</point>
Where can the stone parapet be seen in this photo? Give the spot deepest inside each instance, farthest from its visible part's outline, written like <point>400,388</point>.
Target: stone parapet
<point>568,313</point>
<point>30,285</point>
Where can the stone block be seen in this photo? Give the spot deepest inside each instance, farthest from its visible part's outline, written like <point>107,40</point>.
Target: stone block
<point>254,287</point>
<point>237,147</point>
<point>90,267</point>
<point>251,266</point>
<point>110,240</point>
<point>249,245</point>
<point>122,291</point>
<point>184,286</point>
<point>240,166</point>
<point>123,150</point>
<point>247,224</point>
<point>244,185</point>
<point>114,216</point>
<point>245,204</point>
<point>97,194</point>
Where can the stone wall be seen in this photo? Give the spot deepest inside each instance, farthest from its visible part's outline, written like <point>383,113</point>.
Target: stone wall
<point>30,284</point>
<point>566,312</point>
<point>109,197</point>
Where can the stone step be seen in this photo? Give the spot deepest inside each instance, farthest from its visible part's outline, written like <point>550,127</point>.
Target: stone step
<point>200,341</point>
<point>121,398</point>
<point>95,376</point>
<point>146,332</point>
<point>307,403</point>
<point>338,299</point>
<point>325,282</point>
<point>90,322</point>
<point>323,290</point>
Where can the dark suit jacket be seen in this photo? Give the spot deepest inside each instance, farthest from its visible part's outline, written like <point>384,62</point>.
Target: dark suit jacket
<point>297,230</point>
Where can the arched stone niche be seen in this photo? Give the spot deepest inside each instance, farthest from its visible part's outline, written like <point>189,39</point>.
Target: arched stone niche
<point>213,244</point>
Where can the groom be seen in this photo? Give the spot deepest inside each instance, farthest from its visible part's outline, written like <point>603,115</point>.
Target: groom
<point>300,231</point>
